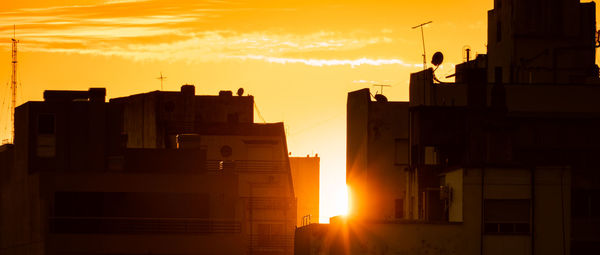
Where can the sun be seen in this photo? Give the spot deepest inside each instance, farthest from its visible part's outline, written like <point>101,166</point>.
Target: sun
<point>336,202</point>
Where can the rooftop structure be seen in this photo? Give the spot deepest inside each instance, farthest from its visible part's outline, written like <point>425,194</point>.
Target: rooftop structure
<point>160,172</point>
<point>502,161</point>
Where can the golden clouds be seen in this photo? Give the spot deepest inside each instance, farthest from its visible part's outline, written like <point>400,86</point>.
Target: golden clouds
<point>184,31</point>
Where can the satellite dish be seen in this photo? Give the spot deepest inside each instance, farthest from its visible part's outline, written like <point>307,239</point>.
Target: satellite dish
<point>380,98</point>
<point>437,59</point>
<point>240,92</point>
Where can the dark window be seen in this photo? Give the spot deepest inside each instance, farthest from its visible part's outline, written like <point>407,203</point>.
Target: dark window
<point>507,216</point>
<point>170,106</point>
<point>399,208</point>
<point>131,204</point>
<point>46,124</point>
<point>585,204</point>
<point>233,118</point>
<point>498,31</point>
<point>401,152</point>
<point>497,4</point>
<point>498,74</point>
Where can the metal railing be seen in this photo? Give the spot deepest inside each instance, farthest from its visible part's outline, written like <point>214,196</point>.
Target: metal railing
<point>109,225</point>
<point>250,166</point>
<point>272,241</point>
<point>270,203</point>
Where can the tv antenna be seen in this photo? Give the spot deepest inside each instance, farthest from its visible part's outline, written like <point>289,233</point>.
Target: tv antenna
<point>161,78</point>
<point>13,82</point>
<point>381,86</point>
<point>423,40</point>
<point>467,53</point>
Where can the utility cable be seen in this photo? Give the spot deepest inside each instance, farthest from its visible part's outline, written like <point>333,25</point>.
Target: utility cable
<point>258,113</point>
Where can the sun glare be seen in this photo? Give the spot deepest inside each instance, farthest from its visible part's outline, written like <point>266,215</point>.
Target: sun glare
<point>336,205</point>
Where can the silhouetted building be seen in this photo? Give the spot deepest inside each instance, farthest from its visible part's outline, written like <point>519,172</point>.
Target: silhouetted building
<point>377,156</point>
<point>155,173</point>
<point>305,175</point>
<point>542,41</point>
<point>500,162</point>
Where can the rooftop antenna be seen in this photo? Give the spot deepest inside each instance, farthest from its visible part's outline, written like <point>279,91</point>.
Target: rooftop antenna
<point>381,86</point>
<point>467,53</point>
<point>161,78</point>
<point>13,83</point>
<point>423,40</point>
<point>380,97</point>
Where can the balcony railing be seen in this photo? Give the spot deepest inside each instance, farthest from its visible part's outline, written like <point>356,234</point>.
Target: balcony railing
<point>248,166</point>
<point>270,203</point>
<point>272,241</point>
<point>98,225</point>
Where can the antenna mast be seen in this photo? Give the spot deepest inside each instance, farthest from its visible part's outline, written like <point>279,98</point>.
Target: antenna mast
<point>381,86</point>
<point>423,40</point>
<point>161,78</point>
<point>13,84</point>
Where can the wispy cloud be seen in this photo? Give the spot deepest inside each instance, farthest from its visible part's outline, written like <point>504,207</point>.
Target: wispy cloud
<point>330,62</point>
<point>165,31</point>
<point>124,1</point>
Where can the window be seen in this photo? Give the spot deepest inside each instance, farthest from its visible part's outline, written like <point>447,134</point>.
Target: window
<point>507,216</point>
<point>401,152</point>
<point>169,106</point>
<point>585,204</point>
<point>135,213</point>
<point>131,204</point>
<point>431,156</point>
<point>46,124</point>
<point>233,117</point>
<point>270,234</point>
<point>498,74</point>
<point>399,208</point>
<point>46,140</point>
<point>498,31</point>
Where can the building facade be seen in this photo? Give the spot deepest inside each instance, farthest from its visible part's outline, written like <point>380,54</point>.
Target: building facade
<point>155,173</point>
<point>377,148</point>
<point>306,176</point>
<point>500,161</point>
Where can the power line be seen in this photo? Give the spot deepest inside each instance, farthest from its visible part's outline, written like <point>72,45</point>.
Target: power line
<point>258,113</point>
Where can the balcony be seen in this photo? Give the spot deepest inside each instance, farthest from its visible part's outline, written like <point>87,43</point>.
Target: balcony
<point>115,225</point>
<point>247,166</point>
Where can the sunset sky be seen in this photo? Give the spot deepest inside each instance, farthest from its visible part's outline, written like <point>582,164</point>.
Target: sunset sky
<point>299,59</point>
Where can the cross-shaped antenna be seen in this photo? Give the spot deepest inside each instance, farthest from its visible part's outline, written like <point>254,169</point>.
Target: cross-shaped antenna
<point>381,86</point>
<point>423,39</point>
<point>161,78</point>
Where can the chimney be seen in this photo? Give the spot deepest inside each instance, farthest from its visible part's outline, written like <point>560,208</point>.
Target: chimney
<point>188,93</point>
<point>188,90</point>
<point>97,94</point>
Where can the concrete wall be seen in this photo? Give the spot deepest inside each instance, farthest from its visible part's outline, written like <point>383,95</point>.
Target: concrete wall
<point>306,178</point>
<point>152,237</point>
<point>549,219</point>
<point>356,148</point>
<point>542,41</point>
<point>152,120</point>
<point>377,157</point>
<point>264,187</point>
<point>388,159</point>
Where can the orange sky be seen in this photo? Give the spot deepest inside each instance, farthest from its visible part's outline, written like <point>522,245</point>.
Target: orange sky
<point>298,58</point>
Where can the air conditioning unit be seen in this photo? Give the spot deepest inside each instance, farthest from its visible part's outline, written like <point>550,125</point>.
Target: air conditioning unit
<point>446,193</point>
